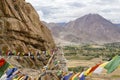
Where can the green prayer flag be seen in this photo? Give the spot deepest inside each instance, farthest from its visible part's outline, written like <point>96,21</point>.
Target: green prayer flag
<point>113,64</point>
<point>76,78</point>
<point>3,68</point>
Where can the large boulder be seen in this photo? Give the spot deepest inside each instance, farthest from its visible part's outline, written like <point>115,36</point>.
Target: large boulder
<point>21,29</point>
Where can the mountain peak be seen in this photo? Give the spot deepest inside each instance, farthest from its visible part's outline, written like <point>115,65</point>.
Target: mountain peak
<point>91,17</point>
<point>95,16</point>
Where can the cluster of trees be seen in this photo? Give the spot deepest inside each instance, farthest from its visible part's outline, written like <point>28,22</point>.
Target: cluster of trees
<point>105,51</point>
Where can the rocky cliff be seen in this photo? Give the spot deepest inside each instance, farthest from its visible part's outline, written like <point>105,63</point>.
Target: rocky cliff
<point>20,27</point>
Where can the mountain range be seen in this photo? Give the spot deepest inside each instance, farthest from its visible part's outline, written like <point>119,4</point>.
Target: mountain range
<point>90,28</point>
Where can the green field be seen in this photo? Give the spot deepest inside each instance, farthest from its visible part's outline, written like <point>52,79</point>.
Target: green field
<point>87,52</point>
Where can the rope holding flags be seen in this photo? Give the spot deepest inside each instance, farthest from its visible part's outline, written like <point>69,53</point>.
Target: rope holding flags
<point>9,72</point>
<point>110,66</point>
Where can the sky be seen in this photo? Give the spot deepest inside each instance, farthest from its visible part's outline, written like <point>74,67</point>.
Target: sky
<point>67,10</point>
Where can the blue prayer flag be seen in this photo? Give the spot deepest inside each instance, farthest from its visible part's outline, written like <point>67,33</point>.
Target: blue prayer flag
<point>82,77</point>
<point>67,76</point>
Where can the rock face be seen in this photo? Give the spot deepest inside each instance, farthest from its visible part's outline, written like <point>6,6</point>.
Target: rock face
<point>20,27</point>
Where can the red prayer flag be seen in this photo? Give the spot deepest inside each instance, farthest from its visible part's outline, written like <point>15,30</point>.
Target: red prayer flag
<point>93,68</point>
<point>2,62</point>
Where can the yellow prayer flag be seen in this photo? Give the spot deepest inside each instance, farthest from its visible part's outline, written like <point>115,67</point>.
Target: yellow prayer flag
<point>73,78</point>
<point>87,71</point>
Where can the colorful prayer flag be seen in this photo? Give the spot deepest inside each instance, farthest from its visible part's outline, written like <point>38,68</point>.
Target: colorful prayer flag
<point>82,77</point>
<point>93,68</point>
<point>99,69</point>
<point>75,77</point>
<point>10,72</point>
<point>67,76</point>
<point>81,74</point>
<point>4,77</point>
<point>87,71</point>
<point>2,62</point>
<point>113,64</point>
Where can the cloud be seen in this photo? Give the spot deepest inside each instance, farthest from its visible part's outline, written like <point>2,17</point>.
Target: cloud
<point>66,10</point>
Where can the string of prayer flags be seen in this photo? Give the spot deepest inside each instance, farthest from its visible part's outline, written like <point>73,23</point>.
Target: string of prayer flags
<point>3,68</point>
<point>8,72</point>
